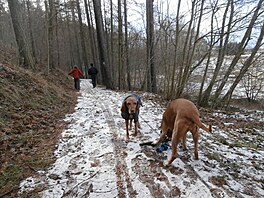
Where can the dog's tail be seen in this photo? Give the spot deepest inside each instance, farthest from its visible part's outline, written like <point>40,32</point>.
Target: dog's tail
<point>207,129</point>
<point>202,126</point>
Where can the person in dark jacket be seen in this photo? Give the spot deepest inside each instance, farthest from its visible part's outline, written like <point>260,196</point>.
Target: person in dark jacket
<point>93,72</point>
<point>76,72</point>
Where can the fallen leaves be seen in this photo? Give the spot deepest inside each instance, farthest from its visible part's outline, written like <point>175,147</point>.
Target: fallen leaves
<point>31,113</point>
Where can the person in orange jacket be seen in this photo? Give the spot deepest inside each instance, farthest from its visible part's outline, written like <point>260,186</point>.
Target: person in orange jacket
<point>76,73</point>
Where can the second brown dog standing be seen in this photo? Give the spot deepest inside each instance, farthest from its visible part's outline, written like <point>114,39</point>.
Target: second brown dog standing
<point>130,111</point>
<point>181,116</point>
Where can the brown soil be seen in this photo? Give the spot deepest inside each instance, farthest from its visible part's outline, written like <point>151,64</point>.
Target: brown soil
<point>32,108</point>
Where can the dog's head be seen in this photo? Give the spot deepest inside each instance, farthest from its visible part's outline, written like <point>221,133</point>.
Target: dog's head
<point>130,104</point>
<point>163,127</point>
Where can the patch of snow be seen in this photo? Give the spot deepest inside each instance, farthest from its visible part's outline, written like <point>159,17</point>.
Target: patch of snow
<point>93,160</point>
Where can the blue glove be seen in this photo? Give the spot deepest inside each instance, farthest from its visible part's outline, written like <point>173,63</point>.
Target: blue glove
<point>163,147</point>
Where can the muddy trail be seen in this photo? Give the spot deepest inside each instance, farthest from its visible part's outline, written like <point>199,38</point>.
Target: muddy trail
<point>93,159</point>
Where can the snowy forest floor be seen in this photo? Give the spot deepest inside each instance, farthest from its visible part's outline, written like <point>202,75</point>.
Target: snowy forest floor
<point>93,160</point>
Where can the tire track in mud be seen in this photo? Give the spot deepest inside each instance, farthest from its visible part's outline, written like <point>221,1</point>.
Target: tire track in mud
<point>150,174</point>
<point>141,168</point>
<point>148,166</point>
<point>149,170</point>
<point>124,183</point>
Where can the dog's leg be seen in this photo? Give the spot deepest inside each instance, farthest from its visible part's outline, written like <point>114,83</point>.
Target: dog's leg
<point>136,129</point>
<point>127,132</point>
<point>174,144</point>
<point>180,129</point>
<point>130,124</point>
<point>161,139</point>
<point>139,126</point>
<point>184,147</point>
<point>195,135</point>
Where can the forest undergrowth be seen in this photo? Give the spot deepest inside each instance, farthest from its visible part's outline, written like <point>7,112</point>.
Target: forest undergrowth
<point>32,108</point>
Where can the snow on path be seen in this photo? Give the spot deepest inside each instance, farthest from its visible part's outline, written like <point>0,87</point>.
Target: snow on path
<point>93,159</point>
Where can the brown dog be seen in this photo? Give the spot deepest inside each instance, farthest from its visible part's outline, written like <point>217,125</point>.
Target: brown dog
<point>130,111</point>
<point>181,116</point>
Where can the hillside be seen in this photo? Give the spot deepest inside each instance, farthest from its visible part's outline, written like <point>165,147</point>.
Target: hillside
<point>31,112</point>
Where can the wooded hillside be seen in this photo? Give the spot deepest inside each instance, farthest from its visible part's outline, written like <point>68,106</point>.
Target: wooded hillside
<point>143,45</point>
<point>32,109</point>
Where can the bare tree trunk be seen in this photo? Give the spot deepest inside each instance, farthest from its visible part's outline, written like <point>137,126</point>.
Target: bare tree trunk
<point>112,58</point>
<point>226,99</point>
<point>92,46</point>
<point>175,59</point>
<point>92,39</point>
<point>31,32</point>
<point>127,48</point>
<point>151,71</point>
<point>209,53</point>
<point>70,40</point>
<point>184,70</point>
<point>120,48</point>
<point>78,54</point>
<point>104,63</point>
<point>25,56</point>
<point>222,49</point>
<point>82,37</point>
<point>47,33</point>
<point>192,46</point>
<point>57,35</point>
<point>50,34</point>
<point>241,49</point>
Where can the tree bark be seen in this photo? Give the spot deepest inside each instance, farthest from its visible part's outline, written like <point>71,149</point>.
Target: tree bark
<point>151,70</point>
<point>57,36</point>
<point>241,50</point>
<point>104,63</point>
<point>71,57</point>
<point>50,35</point>
<point>25,57</point>
<point>121,72</point>
<point>91,34</point>
<point>127,48</point>
<point>184,69</point>
<point>32,41</point>
<point>175,59</point>
<point>226,99</point>
<point>221,52</point>
<point>82,38</point>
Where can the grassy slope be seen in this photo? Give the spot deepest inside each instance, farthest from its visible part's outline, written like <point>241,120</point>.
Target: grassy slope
<point>32,106</point>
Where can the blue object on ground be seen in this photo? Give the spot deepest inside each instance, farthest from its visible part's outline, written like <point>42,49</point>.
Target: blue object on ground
<point>163,147</point>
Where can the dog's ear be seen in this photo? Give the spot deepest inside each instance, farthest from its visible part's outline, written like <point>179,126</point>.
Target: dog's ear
<point>137,107</point>
<point>123,107</point>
